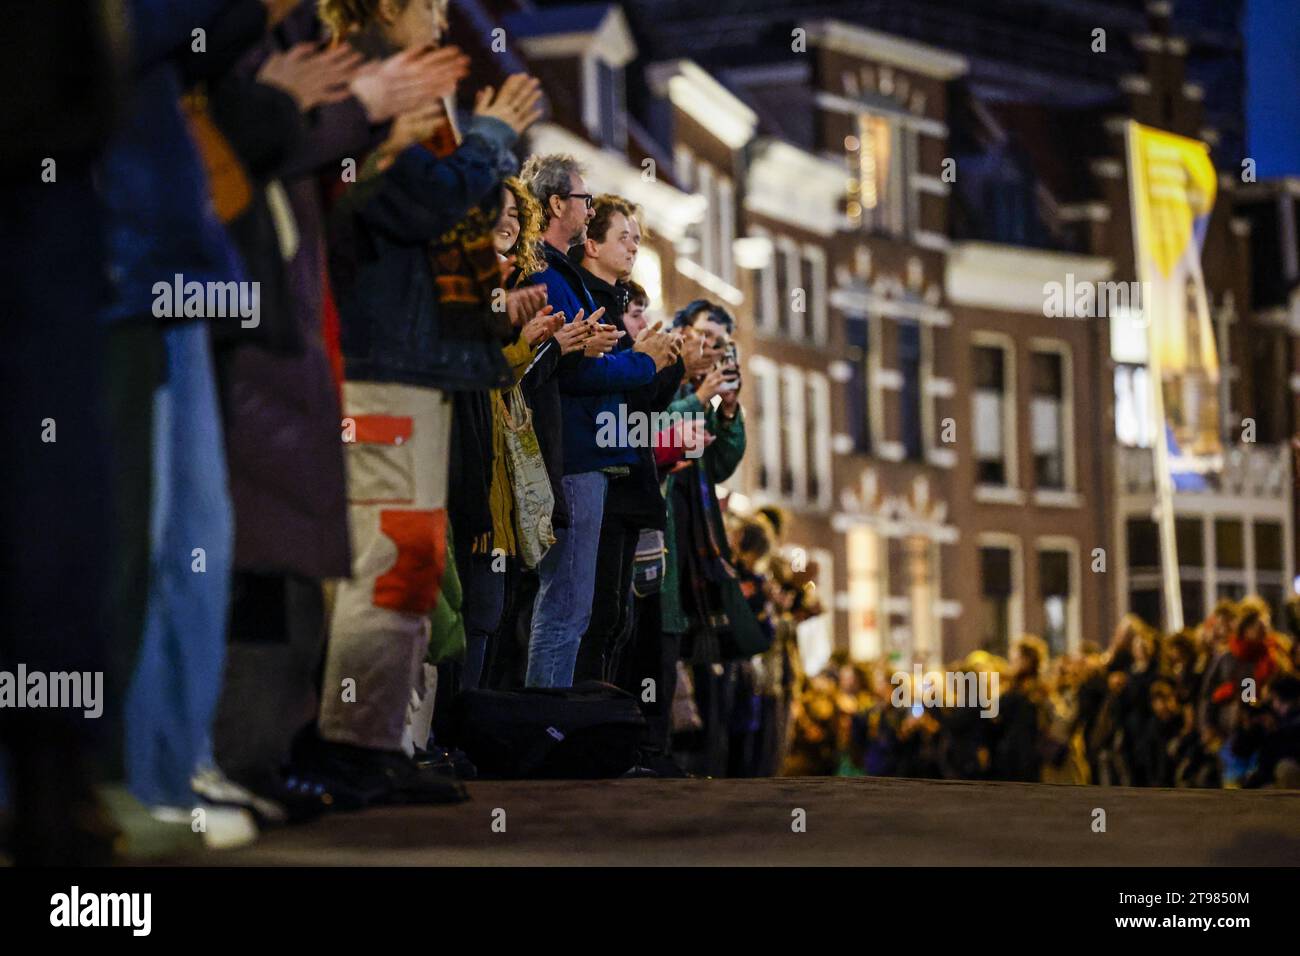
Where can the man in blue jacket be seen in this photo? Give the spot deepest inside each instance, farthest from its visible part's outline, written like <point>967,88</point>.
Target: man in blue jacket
<point>590,383</point>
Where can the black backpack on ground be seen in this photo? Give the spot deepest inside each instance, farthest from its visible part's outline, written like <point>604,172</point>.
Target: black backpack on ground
<point>586,732</point>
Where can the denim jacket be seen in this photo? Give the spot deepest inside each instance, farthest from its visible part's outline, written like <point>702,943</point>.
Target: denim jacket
<point>382,273</point>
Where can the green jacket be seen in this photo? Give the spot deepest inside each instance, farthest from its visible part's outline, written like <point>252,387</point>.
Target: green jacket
<point>719,462</point>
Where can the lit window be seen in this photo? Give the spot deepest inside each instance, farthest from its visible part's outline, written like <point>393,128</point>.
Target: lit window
<point>1054,587</point>
<point>992,407</point>
<point>1047,419</point>
<point>876,195</point>
<point>996,588</point>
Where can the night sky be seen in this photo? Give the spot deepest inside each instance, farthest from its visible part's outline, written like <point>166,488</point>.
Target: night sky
<point>1272,31</point>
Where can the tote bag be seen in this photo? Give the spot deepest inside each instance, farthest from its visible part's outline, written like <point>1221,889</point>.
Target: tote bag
<point>531,485</point>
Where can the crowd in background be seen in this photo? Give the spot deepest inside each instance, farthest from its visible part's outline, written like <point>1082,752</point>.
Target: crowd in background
<point>1216,705</point>
<point>333,375</point>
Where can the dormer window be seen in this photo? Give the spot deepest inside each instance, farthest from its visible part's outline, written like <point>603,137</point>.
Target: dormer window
<point>877,198</point>
<point>609,93</point>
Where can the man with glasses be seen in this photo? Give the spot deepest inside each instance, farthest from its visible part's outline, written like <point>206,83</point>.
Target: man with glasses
<point>590,382</point>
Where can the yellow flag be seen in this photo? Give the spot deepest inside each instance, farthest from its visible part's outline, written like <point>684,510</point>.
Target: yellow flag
<point>1172,187</point>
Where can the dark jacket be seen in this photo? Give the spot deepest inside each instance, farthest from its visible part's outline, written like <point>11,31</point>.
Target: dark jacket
<point>589,387</point>
<point>159,219</point>
<point>392,329</point>
<point>281,410</point>
<point>635,499</point>
<point>542,392</point>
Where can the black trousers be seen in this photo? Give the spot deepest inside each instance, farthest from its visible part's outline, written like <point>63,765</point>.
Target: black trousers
<point>647,668</point>
<point>271,689</point>
<point>610,624</point>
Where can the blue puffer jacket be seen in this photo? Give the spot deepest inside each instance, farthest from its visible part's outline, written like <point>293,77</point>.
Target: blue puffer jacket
<point>160,221</point>
<point>589,386</point>
<point>391,329</point>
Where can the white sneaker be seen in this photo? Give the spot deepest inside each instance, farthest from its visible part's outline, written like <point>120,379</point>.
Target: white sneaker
<point>212,786</point>
<point>222,828</point>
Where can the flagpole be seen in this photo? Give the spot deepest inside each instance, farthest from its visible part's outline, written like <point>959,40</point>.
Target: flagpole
<point>1164,507</point>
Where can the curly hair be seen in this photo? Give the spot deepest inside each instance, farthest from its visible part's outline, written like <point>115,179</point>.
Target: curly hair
<point>527,247</point>
<point>344,16</point>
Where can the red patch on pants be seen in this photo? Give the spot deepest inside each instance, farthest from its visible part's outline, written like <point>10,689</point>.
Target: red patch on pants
<point>413,582</point>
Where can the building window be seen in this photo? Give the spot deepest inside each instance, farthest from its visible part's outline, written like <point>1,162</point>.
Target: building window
<point>993,410</point>
<point>877,194</point>
<point>1047,419</point>
<point>1143,539</point>
<point>794,296</point>
<point>818,431</point>
<point>1230,558</point>
<point>866,588</point>
<point>708,234</point>
<point>611,106</point>
<point>767,414</point>
<point>909,395</point>
<point>1270,583</point>
<point>794,468</point>
<point>814,275</point>
<point>1189,538</point>
<point>1145,602</point>
<point>996,592</point>
<point>726,196</point>
<point>1133,415</point>
<point>1054,589</point>
<point>922,557</point>
<point>859,383</point>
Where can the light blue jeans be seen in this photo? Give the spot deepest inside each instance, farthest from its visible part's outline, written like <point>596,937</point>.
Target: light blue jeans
<point>172,700</point>
<point>568,577</point>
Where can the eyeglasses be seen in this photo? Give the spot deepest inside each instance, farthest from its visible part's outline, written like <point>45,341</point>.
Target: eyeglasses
<point>588,198</point>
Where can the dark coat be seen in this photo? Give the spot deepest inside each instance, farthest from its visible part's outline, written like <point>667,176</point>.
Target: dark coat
<point>635,499</point>
<point>541,390</point>
<point>282,414</point>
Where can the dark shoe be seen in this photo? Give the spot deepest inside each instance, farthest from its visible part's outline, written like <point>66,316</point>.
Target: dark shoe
<point>660,765</point>
<point>450,763</point>
<point>344,777</point>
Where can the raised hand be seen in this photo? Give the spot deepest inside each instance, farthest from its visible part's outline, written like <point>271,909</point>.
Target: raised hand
<point>408,80</point>
<point>571,335</point>
<point>312,76</point>
<point>518,104</point>
<point>658,344</point>
<point>710,385</point>
<point>542,326</point>
<point>524,303</point>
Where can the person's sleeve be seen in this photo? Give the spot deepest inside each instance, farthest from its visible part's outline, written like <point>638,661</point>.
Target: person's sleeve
<point>230,34</point>
<point>261,122</point>
<point>543,367</point>
<point>666,384</point>
<point>688,404</point>
<point>723,456</point>
<point>612,372</point>
<point>161,29</point>
<point>333,133</point>
<point>421,195</point>
<point>519,355</point>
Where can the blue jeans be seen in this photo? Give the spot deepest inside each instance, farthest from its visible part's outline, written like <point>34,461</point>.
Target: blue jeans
<point>172,700</point>
<point>567,579</point>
